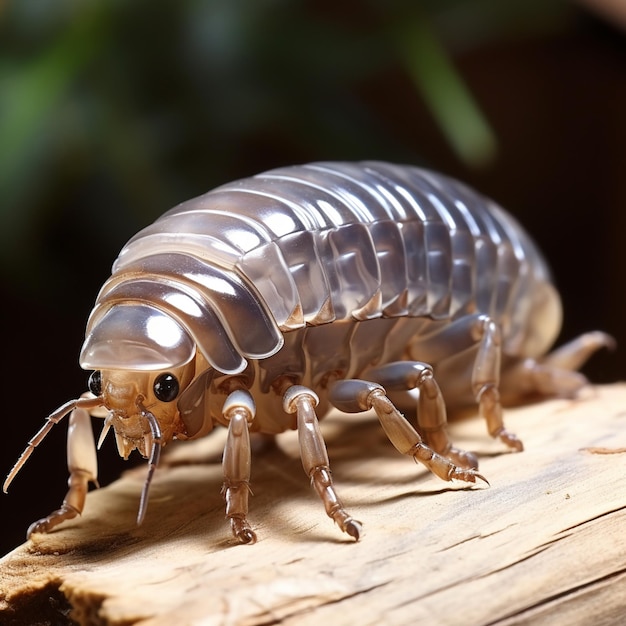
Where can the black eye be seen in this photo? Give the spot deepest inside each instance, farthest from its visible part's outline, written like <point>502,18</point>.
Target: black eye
<point>95,383</point>
<point>166,388</point>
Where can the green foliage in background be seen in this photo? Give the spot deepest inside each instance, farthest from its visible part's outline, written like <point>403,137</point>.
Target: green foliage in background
<point>113,110</point>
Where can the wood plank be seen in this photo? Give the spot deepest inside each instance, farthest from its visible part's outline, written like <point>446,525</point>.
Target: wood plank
<point>544,544</point>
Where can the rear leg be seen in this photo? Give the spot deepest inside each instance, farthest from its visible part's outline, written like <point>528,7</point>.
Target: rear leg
<point>431,408</point>
<point>556,373</point>
<point>354,396</point>
<point>462,335</point>
<point>486,380</point>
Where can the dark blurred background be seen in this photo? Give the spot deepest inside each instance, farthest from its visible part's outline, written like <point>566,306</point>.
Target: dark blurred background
<point>112,111</point>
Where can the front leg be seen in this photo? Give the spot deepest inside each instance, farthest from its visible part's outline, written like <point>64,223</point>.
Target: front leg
<point>302,401</point>
<point>239,410</point>
<point>83,466</point>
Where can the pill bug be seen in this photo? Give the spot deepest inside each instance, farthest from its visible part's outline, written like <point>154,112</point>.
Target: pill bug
<point>264,302</point>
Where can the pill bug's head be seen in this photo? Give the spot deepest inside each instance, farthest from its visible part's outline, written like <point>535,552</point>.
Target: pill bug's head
<point>139,406</point>
<point>143,361</point>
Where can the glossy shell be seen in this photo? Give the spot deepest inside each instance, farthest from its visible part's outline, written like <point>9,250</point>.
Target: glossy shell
<point>236,270</point>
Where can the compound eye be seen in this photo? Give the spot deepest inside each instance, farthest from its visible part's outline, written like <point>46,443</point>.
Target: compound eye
<point>95,383</point>
<point>166,387</point>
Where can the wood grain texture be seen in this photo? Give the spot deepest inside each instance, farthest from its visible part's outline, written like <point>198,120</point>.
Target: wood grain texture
<point>544,544</point>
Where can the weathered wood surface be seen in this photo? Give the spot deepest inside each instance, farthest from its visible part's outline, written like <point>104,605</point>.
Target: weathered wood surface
<point>545,544</point>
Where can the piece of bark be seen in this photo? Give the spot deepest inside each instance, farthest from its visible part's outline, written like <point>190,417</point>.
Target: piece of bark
<point>544,544</point>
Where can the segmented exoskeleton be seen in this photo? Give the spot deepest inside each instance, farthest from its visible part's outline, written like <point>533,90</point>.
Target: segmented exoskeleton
<point>309,286</point>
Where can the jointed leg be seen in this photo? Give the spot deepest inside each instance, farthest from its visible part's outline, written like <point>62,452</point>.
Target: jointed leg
<point>302,401</point>
<point>358,395</point>
<point>555,374</point>
<point>83,466</point>
<point>486,380</point>
<point>431,408</point>
<point>239,410</point>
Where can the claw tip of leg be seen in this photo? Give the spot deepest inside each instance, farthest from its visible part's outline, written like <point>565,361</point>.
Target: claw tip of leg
<point>353,528</point>
<point>247,536</point>
<point>483,479</point>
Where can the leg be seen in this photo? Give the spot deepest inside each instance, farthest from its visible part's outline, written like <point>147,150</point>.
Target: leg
<point>239,410</point>
<point>354,396</point>
<point>486,380</point>
<point>301,400</point>
<point>83,466</point>
<point>555,374</point>
<point>431,408</point>
<point>458,337</point>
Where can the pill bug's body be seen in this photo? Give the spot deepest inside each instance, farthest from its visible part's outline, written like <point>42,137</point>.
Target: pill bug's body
<point>325,246</point>
<point>286,289</point>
